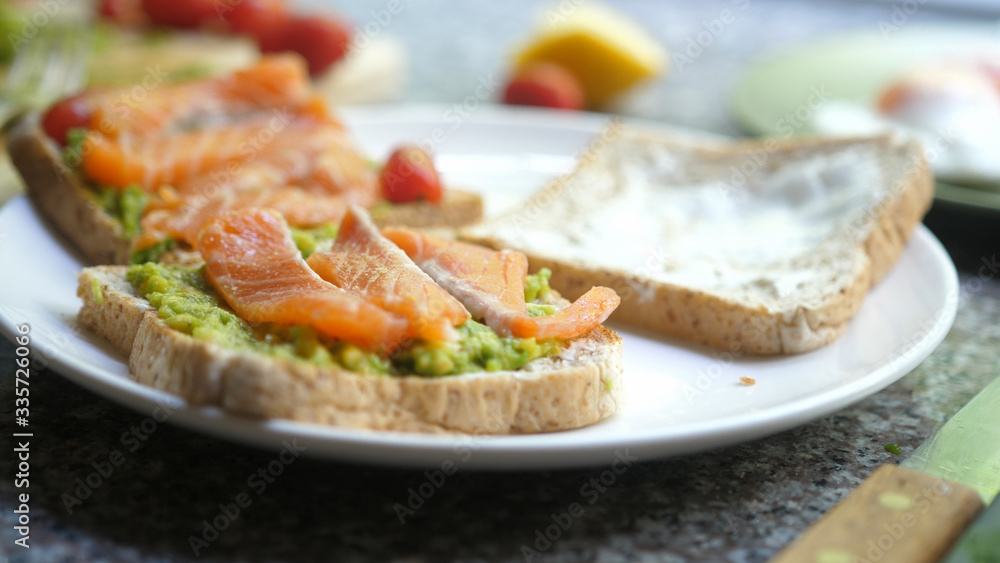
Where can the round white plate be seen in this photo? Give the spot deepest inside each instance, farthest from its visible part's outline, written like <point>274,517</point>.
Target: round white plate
<point>681,398</point>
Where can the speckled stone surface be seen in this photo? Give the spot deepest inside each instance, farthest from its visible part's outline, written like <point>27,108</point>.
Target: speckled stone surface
<point>736,504</point>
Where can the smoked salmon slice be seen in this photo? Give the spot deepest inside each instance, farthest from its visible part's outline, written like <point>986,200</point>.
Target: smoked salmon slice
<point>252,262</point>
<point>590,310</point>
<point>317,159</point>
<point>490,284</point>
<point>276,81</point>
<point>364,262</point>
<point>340,168</point>
<point>152,162</point>
<point>184,219</point>
<point>278,151</point>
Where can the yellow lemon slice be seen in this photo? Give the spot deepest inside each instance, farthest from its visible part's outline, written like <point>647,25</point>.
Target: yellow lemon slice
<point>607,51</point>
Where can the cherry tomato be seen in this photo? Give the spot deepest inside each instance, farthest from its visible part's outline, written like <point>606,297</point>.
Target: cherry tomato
<point>110,9</point>
<point>122,12</point>
<point>180,13</point>
<point>74,111</point>
<point>263,20</point>
<point>545,84</point>
<point>322,40</point>
<point>408,175</point>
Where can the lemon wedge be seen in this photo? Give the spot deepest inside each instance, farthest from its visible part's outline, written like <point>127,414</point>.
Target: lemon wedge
<point>606,50</point>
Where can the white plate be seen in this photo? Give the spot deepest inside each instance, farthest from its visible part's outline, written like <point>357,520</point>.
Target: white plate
<point>682,398</point>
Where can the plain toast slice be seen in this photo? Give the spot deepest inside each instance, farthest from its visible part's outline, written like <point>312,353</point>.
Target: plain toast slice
<point>759,247</point>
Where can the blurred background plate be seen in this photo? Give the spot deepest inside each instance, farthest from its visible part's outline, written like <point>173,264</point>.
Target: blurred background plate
<point>774,95</point>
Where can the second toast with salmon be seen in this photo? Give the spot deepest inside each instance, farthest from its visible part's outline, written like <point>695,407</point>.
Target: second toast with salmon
<point>79,216</point>
<point>125,178</point>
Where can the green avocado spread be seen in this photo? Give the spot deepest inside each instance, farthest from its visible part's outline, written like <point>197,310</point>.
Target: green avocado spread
<point>316,238</point>
<point>187,302</point>
<point>126,206</point>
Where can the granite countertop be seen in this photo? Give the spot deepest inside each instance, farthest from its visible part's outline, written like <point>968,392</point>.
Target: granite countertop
<point>735,504</point>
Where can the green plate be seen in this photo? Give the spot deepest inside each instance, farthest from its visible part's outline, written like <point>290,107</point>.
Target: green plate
<point>779,93</point>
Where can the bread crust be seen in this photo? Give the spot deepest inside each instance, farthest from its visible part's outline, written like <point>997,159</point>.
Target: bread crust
<point>62,198</point>
<point>706,318</point>
<point>67,203</point>
<point>580,386</point>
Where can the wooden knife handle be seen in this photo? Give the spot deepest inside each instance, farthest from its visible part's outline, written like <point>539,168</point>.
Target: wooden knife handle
<point>896,515</point>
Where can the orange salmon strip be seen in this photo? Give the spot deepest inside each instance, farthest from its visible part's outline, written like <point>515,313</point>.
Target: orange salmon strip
<point>490,284</point>
<point>252,262</point>
<point>276,82</point>
<point>153,162</point>
<point>312,156</point>
<point>590,310</point>
<point>183,220</point>
<point>316,156</point>
<point>364,262</point>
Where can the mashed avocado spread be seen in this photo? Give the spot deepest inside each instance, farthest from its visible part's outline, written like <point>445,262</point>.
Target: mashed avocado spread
<point>311,240</point>
<point>124,205</point>
<point>187,302</point>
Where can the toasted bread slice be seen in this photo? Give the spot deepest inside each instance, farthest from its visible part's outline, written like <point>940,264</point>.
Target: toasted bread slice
<point>759,247</point>
<point>579,386</point>
<point>68,204</point>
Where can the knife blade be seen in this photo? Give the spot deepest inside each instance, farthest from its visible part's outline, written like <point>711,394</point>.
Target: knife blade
<point>981,542</point>
<point>914,512</point>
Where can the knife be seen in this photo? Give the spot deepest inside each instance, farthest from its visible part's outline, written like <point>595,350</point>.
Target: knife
<point>914,512</point>
<point>981,542</point>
